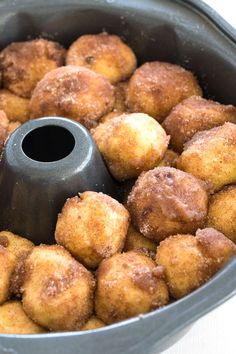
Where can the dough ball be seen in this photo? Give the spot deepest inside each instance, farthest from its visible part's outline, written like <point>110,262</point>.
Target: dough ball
<point>130,144</point>
<point>211,156</point>
<point>156,87</point>
<point>13,126</point>
<point>128,284</point>
<point>110,116</point>
<point>91,227</point>
<point>105,54</point>
<point>14,249</point>
<point>190,261</point>
<point>222,212</point>
<point>58,290</point>
<point>166,201</point>
<point>7,265</point>
<point>15,107</point>
<point>120,96</point>
<point>13,320</point>
<point>4,122</point>
<point>170,159</point>
<point>24,64</point>
<point>136,241</point>
<point>193,115</point>
<point>93,323</point>
<point>73,92</point>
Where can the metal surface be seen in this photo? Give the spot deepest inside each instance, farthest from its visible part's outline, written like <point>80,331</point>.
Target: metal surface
<point>188,33</point>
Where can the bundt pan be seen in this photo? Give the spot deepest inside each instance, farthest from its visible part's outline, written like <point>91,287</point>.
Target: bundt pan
<point>188,33</point>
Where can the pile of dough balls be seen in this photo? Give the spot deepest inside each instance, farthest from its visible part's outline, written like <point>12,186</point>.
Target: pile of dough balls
<point>172,152</point>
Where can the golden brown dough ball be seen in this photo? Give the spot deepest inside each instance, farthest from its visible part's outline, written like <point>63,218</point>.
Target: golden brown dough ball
<point>4,122</point>
<point>120,96</point>
<point>19,247</point>
<point>103,53</point>
<point>156,87</point>
<point>13,126</point>
<point>166,201</point>
<point>130,144</point>
<point>128,284</point>
<point>110,116</point>
<point>193,115</point>
<point>24,64</point>
<point>222,212</point>
<point>170,159</point>
<point>73,92</point>
<point>93,323</point>
<point>92,226</point>
<point>13,320</point>
<point>15,107</point>
<point>190,261</point>
<point>7,265</point>
<point>58,290</point>
<point>136,241</point>
<point>16,244</point>
<point>216,246</point>
<point>211,155</point>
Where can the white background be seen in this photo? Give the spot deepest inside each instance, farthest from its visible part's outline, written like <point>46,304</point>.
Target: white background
<point>215,333</point>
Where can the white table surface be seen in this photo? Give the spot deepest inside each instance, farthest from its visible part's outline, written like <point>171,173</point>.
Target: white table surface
<point>215,333</point>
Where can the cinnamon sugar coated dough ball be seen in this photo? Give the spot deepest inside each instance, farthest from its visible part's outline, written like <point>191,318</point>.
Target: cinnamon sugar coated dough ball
<point>4,122</point>
<point>12,249</point>
<point>13,126</point>
<point>130,144</point>
<point>24,64</point>
<point>136,241</point>
<point>110,116</point>
<point>93,323</point>
<point>166,201</point>
<point>15,107</point>
<point>13,320</point>
<point>7,265</point>
<point>189,261</point>
<point>105,54</point>
<point>91,227</point>
<point>156,87</point>
<point>222,212</point>
<point>128,284</point>
<point>73,92</point>
<point>193,115</point>
<point>58,290</point>
<point>211,155</point>
<point>16,244</point>
<point>170,159</point>
<point>120,96</point>
<point>19,248</point>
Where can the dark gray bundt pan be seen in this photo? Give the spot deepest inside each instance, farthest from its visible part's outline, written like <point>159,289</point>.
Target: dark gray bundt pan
<point>188,33</point>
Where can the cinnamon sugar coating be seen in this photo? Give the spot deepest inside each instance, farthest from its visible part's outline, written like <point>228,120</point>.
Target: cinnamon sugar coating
<point>189,261</point>
<point>193,115</point>
<point>92,227</point>
<point>211,155</point>
<point>130,144</point>
<point>58,290</point>
<point>24,64</point>
<point>156,87</point>
<point>105,54</point>
<point>73,92</point>
<point>224,222</point>
<point>165,201</point>
<point>127,285</point>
